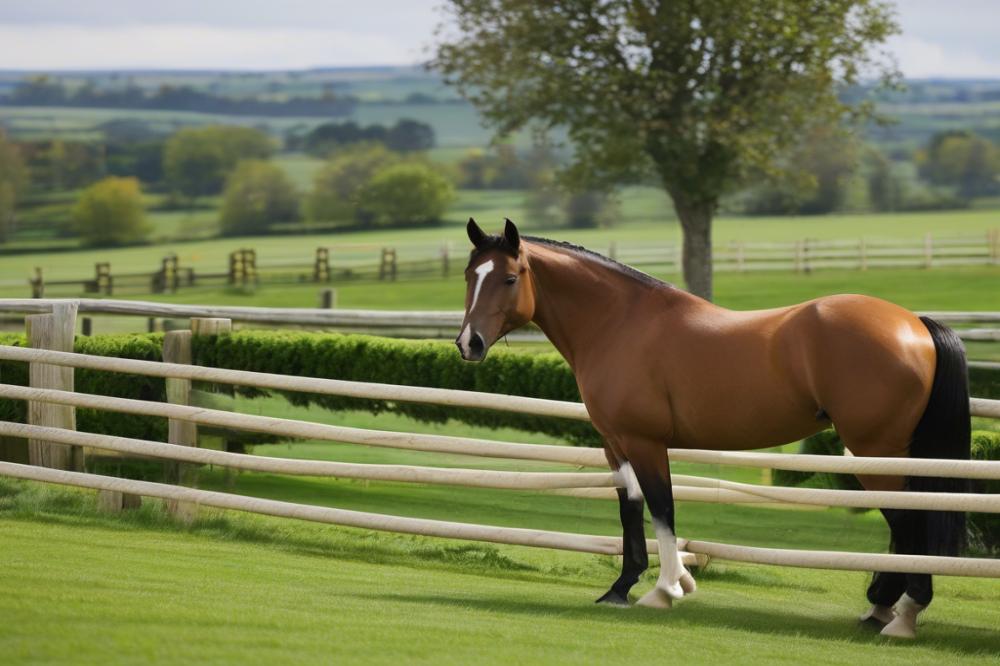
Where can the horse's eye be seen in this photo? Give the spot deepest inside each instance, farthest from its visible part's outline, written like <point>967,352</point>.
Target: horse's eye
<point>511,279</point>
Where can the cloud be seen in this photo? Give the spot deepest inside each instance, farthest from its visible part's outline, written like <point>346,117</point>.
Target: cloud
<point>174,46</point>
<point>921,58</point>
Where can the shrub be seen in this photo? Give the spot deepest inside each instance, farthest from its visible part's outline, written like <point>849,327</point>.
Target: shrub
<point>110,212</point>
<point>403,194</point>
<point>338,184</point>
<point>824,443</point>
<point>984,528</point>
<point>257,195</point>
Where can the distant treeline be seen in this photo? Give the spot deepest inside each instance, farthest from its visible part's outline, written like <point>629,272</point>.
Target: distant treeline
<point>46,91</point>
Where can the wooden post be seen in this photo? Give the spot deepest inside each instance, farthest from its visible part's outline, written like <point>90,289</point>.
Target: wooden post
<point>87,326</point>
<point>55,332</point>
<point>613,250</point>
<point>806,268</point>
<point>798,256</point>
<point>177,349</point>
<point>863,252</point>
<point>37,284</point>
<point>741,251</point>
<point>321,265</point>
<point>328,299</point>
<point>928,250</point>
<point>445,259</point>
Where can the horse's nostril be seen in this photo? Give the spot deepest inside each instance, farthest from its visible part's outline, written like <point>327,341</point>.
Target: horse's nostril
<point>477,345</point>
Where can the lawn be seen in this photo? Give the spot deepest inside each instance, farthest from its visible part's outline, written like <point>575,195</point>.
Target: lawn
<point>234,588</point>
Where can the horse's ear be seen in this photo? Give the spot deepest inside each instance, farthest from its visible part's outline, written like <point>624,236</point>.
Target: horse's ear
<point>476,234</point>
<point>511,236</point>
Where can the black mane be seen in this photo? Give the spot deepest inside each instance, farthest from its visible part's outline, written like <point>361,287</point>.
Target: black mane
<point>494,242</point>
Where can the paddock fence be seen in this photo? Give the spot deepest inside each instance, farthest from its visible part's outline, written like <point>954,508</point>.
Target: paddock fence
<point>343,263</point>
<point>52,403</point>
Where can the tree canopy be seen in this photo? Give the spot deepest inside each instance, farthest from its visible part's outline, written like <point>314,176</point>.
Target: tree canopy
<point>698,95</point>
<point>258,194</point>
<point>196,160</point>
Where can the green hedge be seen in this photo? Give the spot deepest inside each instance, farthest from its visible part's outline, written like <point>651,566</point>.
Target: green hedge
<point>984,528</point>
<point>824,443</point>
<point>984,383</point>
<point>426,363</point>
<point>145,347</point>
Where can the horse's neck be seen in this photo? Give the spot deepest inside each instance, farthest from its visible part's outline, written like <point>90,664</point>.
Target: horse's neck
<point>578,300</point>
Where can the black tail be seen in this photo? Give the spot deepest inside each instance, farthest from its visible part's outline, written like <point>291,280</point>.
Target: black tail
<point>944,431</point>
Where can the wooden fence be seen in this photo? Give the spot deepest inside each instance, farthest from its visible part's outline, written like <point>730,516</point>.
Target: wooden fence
<point>49,428</point>
<point>349,263</point>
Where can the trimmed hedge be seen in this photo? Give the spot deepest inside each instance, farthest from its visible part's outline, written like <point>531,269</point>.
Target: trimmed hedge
<point>147,347</point>
<point>984,528</point>
<point>984,383</point>
<point>425,363</point>
<point>824,443</point>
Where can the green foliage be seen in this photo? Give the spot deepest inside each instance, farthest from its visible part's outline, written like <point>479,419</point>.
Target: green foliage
<point>824,443</point>
<point>697,95</point>
<point>146,347</point>
<point>405,194</point>
<point>964,160</point>
<point>984,383</point>
<point>196,160</point>
<point>590,209</point>
<point>13,178</point>
<point>337,186</point>
<point>813,177</point>
<point>257,195</point>
<point>111,212</point>
<point>984,528</point>
<point>435,364</point>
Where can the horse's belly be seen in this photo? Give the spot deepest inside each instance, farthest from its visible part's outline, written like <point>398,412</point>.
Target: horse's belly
<point>744,426</point>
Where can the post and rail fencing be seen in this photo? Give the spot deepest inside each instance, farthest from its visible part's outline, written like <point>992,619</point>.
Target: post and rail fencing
<point>58,432</point>
<point>347,262</point>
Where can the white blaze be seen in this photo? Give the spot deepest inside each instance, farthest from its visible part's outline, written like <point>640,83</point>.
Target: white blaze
<point>481,272</point>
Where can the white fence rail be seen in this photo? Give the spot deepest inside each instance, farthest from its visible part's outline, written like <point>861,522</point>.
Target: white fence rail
<point>579,483</point>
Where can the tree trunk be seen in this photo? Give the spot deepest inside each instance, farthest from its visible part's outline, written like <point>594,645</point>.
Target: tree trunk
<point>696,223</point>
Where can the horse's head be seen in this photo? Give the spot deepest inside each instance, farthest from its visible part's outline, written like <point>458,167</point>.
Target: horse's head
<point>499,295</point>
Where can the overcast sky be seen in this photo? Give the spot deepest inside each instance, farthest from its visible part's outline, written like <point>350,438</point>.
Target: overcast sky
<point>948,38</point>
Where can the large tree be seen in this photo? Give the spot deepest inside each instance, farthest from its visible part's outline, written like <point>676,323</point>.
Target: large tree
<point>697,93</point>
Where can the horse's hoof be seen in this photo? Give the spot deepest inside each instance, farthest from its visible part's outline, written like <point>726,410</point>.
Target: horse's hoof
<point>901,627</point>
<point>687,583</point>
<point>877,617</point>
<point>656,598</point>
<point>904,625</point>
<point>612,598</point>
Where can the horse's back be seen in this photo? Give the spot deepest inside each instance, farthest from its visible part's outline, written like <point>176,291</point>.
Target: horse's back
<point>767,377</point>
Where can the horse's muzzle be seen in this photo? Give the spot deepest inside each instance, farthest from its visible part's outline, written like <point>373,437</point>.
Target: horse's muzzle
<point>471,345</point>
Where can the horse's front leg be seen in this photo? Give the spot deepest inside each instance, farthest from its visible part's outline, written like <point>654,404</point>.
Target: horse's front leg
<point>652,470</point>
<point>634,557</point>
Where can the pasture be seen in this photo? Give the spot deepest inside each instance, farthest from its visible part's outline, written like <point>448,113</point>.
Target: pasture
<point>235,588</point>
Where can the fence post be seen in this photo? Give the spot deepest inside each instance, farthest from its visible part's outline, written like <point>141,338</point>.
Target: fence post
<point>798,256</point>
<point>863,251</point>
<point>806,268</point>
<point>928,250</point>
<point>613,250</point>
<point>445,259</point>
<point>37,284</point>
<point>177,349</point>
<point>53,331</point>
<point>321,265</point>
<point>741,250</point>
<point>328,299</point>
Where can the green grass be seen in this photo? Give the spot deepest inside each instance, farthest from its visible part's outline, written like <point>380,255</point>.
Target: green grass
<point>81,587</point>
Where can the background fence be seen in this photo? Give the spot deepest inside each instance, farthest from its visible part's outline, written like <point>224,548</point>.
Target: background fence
<point>345,263</point>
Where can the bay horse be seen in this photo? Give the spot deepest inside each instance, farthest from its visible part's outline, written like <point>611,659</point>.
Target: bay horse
<point>658,367</point>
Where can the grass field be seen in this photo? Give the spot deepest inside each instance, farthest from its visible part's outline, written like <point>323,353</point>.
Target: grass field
<point>233,588</point>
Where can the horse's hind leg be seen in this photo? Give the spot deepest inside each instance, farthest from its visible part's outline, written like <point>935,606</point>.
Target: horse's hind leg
<point>909,534</point>
<point>887,586</point>
<point>634,557</point>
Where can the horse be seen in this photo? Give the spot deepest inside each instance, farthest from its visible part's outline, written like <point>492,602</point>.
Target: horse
<point>658,367</point>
